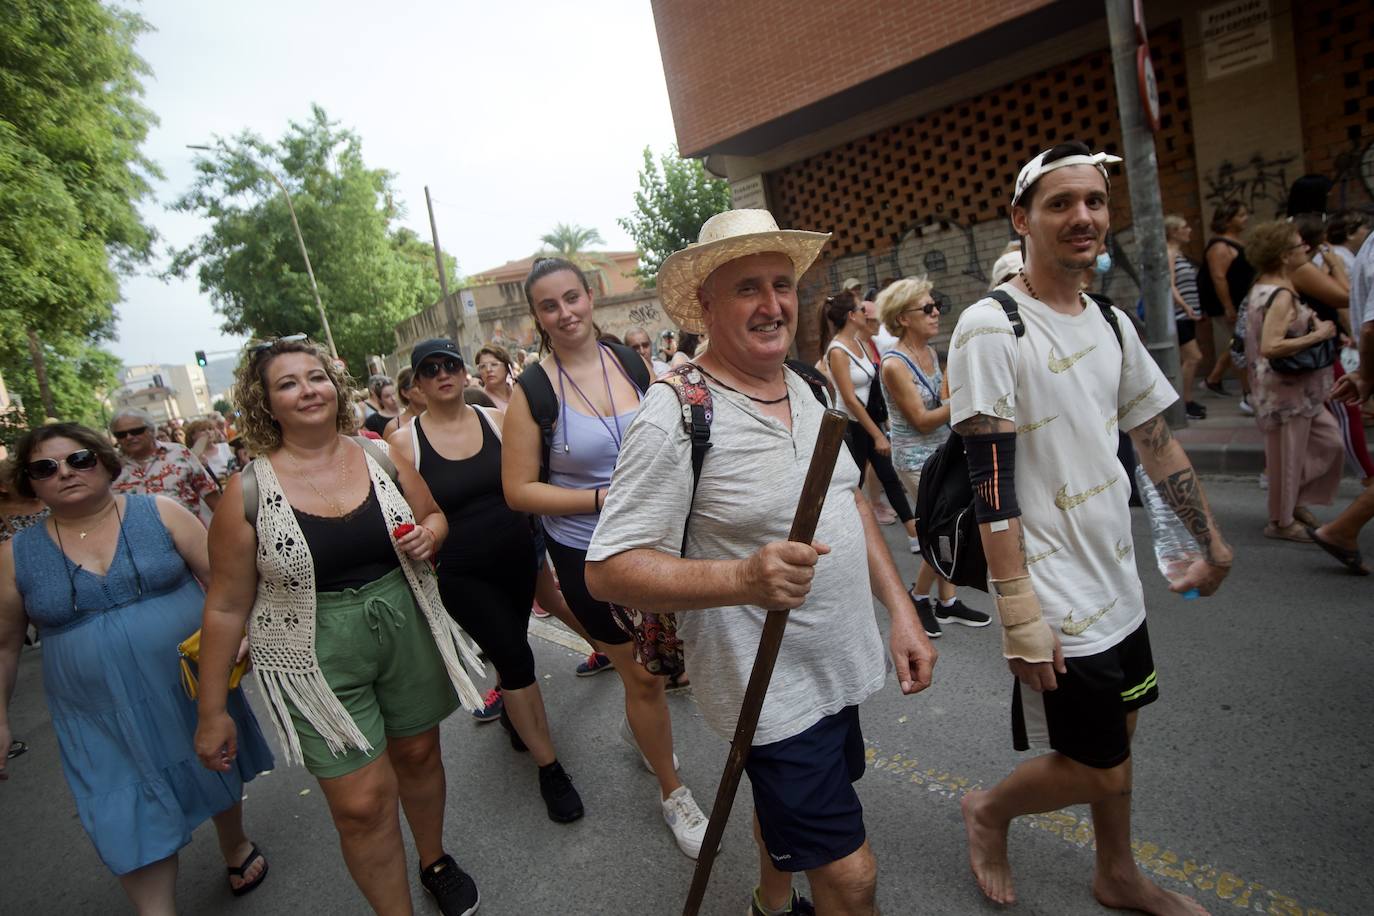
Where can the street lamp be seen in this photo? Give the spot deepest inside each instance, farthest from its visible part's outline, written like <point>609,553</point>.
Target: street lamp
<point>221,148</point>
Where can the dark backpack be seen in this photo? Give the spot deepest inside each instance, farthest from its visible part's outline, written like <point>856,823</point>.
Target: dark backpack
<point>543,400</point>
<point>945,522</point>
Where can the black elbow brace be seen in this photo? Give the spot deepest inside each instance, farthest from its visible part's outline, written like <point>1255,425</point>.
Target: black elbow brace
<point>992,472</point>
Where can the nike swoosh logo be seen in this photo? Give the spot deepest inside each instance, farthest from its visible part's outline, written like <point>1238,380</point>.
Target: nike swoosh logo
<point>955,390</point>
<point>1130,405</point>
<point>1063,500</point>
<point>1036,558</point>
<point>1032,427</point>
<point>1003,407</point>
<point>1073,627</point>
<point>979,332</point>
<point>1122,551</point>
<point>1065,363</point>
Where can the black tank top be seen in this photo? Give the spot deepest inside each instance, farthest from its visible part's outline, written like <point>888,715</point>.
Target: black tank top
<point>470,494</point>
<point>351,551</point>
<point>1239,276</point>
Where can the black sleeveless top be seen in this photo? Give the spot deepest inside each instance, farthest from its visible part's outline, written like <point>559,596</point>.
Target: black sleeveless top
<point>351,551</point>
<point>470,494</point>
<point>1239,276</point>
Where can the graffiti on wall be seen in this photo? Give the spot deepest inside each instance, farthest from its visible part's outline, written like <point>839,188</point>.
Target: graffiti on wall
<point>1260,183</point>
<point>1354,178</point>
<point>646,314</point>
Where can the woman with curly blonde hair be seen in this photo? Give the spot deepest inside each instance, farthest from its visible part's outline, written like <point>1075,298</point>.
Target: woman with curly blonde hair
<point>355,655</point>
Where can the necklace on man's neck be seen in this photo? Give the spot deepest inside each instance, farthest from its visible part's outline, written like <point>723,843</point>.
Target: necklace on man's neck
<point>785,394</point>
<point>1025,278</point>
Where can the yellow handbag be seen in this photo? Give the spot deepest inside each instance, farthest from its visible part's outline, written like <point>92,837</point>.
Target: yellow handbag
<point>189,650</point>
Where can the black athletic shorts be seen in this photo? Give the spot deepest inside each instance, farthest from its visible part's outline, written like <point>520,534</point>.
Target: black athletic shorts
<point>808,811</point>
<point>1187,330</point>
<point>595,616</point>
<point>1085,718</point>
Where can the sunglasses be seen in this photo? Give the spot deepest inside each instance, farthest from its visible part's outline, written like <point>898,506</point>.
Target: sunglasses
<point>267,344</point>
<point>929,308</point>
<point>125,433</point>
<point>449,364</point>
<point>79,460</point>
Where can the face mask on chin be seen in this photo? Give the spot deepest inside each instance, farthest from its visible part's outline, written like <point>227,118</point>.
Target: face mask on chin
<point>1103,263</point>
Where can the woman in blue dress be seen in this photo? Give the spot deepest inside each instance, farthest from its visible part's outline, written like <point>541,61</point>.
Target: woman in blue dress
<point>111,583</point>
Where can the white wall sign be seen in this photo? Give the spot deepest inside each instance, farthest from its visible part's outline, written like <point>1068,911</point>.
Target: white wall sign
<point>469,303</point>
<point>748,194</point>
<point>1236,36</point>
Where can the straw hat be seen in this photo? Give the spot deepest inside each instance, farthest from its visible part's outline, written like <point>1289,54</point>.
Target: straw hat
<point>727,237</point>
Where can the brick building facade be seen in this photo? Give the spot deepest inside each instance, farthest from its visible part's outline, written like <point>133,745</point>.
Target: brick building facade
<point>900,128</point>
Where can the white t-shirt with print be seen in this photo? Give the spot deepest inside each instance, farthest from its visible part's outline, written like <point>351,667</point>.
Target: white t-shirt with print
<point>1068,387</point>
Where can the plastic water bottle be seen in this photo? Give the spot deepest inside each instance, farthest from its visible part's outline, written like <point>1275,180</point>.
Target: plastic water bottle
<point>1175,549</point>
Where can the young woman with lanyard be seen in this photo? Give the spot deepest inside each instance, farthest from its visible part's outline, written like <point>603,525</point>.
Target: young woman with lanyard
<point>853,362</point>
<point>919,393</point>
<point>596,401</point>
<point>486,571</point>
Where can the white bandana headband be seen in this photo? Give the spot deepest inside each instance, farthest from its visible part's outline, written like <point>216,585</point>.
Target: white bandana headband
<point>1037,168</point>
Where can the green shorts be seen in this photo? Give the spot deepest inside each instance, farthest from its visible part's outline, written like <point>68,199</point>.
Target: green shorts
<point>378,656</point>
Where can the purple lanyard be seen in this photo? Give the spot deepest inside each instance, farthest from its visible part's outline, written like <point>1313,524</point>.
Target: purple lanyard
<point>616,435</point>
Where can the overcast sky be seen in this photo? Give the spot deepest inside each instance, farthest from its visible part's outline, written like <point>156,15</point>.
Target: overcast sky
<point>517,115</point>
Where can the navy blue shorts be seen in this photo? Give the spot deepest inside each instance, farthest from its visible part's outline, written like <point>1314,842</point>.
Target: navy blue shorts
<point>804,795</point>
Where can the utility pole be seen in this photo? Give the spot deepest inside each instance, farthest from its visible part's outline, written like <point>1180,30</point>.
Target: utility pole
<point>456,328</point>
<point>1131,62</point>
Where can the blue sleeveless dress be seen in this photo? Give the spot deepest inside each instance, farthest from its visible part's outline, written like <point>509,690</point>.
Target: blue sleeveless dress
<point>124,725</point>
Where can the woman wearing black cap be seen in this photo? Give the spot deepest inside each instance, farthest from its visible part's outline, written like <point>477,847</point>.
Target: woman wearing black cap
<point>486,580</point>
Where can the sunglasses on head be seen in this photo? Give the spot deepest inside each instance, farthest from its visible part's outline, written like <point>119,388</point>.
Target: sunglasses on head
<point>125,433</point>
<point>80,460</point>
<point>430,367</point>
<point>267,344</point>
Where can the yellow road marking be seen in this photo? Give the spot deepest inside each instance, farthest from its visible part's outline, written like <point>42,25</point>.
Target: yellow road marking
<point>1204,880</point>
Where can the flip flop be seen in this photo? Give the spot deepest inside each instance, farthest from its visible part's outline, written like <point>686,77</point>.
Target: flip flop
<point>247,864</point>
<point>1305,517</point>
<point>1350,559</point>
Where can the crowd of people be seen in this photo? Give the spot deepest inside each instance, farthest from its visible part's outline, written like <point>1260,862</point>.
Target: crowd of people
<point>366,553</point>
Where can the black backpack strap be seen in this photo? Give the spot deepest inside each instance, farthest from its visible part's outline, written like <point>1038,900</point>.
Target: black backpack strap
<point>1108,312</point>
<point>694,399</point>
<point>633,364</point>
<point>1008,303</point>
<point>539,394</point>
<point>820,389</point>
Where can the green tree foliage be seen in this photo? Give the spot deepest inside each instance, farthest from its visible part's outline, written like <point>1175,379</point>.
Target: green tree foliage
<point>222,407</point>
<point>371,274</point>
<point>71,176</point>
<point>675,197</point>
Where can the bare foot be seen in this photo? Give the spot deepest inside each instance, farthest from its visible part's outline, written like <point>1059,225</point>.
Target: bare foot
<point>987,850</point>
<point>1140,893</point>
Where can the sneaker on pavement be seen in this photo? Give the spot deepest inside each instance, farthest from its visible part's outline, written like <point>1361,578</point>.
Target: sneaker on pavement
<point>1195,411</point>
<point>923,611</point>
<point>685,820</point>
<point>595,664</point>
<point>627,735</point>
<point>492,706</point>
<point>1217,387</point>
<point>1246,408</point>
<point>961,614</point>
<point>451,887</point>
<point>560,795</point>
<point>797,906</point>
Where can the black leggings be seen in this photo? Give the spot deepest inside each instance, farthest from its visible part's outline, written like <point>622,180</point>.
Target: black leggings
<point>862,448</point>
<point>490,599</point>
<point>594,615</point>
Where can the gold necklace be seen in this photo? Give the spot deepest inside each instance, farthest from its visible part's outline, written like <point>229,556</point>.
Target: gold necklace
<point>89,528</point>
<point>343,478</point>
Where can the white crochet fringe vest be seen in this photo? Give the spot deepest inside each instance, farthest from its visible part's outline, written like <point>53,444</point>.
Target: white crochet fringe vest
<point>282,624</point>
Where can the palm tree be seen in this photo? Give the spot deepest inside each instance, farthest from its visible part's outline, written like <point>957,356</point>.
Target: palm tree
<point>570,242</point>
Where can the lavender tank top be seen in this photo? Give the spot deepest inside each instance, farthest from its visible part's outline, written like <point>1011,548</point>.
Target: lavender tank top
<point>582,457</point>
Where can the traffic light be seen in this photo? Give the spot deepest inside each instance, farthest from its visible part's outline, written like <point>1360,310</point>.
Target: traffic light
<point>200,358</point>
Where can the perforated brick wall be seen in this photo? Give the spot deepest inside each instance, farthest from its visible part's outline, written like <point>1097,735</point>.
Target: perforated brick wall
<point>929,196</point>
<point>1334,41</point>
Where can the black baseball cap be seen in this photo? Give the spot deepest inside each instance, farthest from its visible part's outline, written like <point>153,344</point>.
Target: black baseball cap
<point>435,346</point>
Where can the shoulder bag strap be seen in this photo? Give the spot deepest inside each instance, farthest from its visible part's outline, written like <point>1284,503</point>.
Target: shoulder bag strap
<point>916,370</point>
<point>379,455</point>
<point>695,401</point>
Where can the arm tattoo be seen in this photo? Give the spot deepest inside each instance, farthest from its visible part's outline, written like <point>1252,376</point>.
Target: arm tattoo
<point>1155,435</point>
<point>1183,493</point>
<point>977,425</point>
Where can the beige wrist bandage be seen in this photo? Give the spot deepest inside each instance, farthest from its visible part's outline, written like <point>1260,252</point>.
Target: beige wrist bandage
<point>1024,634</point>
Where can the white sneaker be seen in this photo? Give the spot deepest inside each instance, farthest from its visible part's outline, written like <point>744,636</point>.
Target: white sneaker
<point>1246,407</point>
<point>628,736</point>
<point>685,820</point>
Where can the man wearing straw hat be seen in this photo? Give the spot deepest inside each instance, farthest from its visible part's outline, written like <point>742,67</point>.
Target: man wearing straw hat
<point>739,285</point>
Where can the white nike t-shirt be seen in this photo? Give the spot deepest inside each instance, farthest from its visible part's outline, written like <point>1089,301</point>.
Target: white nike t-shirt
<point>1068,386</point>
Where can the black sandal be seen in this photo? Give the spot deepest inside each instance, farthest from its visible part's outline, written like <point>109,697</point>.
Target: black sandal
<point>1350,559</point>
<point>247,864</point>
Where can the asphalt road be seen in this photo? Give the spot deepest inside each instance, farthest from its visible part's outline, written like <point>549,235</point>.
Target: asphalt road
<point>1252,785</point>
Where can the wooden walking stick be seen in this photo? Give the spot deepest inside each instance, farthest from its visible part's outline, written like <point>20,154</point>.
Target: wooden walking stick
<point>817,483</point>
